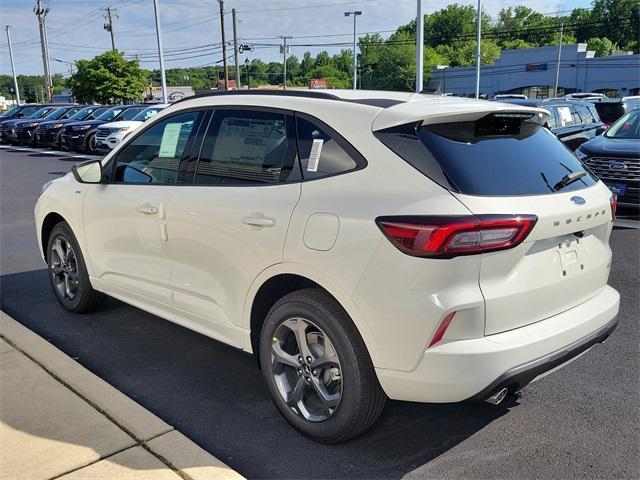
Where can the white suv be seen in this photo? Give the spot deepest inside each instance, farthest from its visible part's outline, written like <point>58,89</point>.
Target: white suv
<point>109,135</point>
<point>362,245</point>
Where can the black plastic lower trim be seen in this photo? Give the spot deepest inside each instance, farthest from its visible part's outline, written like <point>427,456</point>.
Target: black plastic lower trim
<point>519,377</point>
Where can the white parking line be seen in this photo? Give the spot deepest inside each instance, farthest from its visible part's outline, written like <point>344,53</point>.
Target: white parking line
<point>43,151</point>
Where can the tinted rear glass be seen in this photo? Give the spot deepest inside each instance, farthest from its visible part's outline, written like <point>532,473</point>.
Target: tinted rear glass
<point>513,163</point>
<point>610,112</point>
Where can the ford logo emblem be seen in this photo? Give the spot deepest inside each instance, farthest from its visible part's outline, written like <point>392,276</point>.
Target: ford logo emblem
<point>618,166</point>
<point>578,200</point>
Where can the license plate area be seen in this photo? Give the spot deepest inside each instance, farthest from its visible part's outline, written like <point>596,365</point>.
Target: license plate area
<point>569,251</point>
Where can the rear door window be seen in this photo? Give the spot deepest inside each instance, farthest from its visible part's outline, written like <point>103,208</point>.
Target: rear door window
<point>490,159</point>
<point>585,114</point>
<point>244,146</point>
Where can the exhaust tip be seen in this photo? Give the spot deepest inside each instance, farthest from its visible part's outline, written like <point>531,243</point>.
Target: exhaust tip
<point>497,397</point>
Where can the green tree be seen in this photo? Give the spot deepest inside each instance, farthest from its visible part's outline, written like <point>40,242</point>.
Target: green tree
<point>108,78</point>
<point>620,21</point>
<point>602,46</point>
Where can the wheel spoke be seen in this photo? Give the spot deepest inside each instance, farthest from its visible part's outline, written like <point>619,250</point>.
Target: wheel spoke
<point>326,360</point>
<point>56,269</point>
<point>67,287</point>
<point>280,356</point>
<point>329,400</point>
<point>58,250</point>
<point>299,328</point>
<point>295,396</point>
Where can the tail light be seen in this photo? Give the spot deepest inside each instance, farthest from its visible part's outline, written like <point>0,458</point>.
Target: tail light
<point>448,237</point>
<point>614,206</point>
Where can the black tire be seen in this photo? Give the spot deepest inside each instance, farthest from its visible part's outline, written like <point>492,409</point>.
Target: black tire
<point>90,144</point>
<point>361,396</point>
<point>81,298</point>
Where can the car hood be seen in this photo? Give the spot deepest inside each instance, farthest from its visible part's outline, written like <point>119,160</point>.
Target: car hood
<point>122,124</point>
<point>33,120</point>
<point>65,121</point>
<point>611,147</point>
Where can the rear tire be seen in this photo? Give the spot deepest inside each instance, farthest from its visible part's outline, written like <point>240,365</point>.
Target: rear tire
<point>68,272</point>
<point>328,389</point>
<point>90,144</point>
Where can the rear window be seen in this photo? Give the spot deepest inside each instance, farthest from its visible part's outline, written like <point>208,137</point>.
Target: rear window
<point>610,112</point>
<point>485,158</point>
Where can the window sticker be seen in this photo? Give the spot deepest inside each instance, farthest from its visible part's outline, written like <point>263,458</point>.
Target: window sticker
<point>169,143</point>
<point>565,115</point>
<point>314,156</point>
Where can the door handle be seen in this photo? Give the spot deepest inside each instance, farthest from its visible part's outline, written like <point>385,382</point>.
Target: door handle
<point>259,221</point>
<point>147,209</point>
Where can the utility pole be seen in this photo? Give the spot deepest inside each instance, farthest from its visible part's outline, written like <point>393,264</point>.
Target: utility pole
<point>355,57</point>
<point>224,46</point>
<point>235,48</point>
<point>478,47</point>
<point>246,64</point>
<point>41,12</point>
<point>108,26</point>
<point>555,88</point>
<point>419,47</point>
<point>163,79</point>
<point>13,67</point>
<point>284,60</point>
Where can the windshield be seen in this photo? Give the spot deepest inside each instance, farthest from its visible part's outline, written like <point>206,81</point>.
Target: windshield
<point>628,127</point>
<point>56,114</point>
<point>40,113</point>
<point>146,114</point>
<point>11,111</point>
<point>110,114</point>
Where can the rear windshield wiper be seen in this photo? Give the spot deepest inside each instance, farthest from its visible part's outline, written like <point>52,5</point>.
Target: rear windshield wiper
<point>568,179</point>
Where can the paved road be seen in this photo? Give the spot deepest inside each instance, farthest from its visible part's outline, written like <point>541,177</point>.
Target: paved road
<point>580,422</point>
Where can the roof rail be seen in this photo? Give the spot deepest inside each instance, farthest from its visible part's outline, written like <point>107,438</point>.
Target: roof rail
<point>281,93</point>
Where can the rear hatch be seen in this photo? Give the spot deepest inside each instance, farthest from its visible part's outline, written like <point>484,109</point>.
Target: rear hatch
<point>506,164</point>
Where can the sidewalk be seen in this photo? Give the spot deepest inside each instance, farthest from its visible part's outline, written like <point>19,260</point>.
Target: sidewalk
<point>58,420</point>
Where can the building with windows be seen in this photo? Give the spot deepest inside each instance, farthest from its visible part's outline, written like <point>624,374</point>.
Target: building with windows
<point>532,71</point>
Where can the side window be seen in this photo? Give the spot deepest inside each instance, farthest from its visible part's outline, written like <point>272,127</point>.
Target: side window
<point>154,156</point>
<point>551,121</point>
<point>248,147</point>
<point>320,154</point>
<point>576,117</point>
<point>128,114</point>
<point>585,114</point>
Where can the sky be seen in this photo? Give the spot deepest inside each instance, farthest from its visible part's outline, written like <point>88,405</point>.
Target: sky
<point>75,27</point>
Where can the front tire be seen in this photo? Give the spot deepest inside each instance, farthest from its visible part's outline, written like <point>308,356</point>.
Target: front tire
<point>317,368</point>
<point>91,145</point>
<point>68,272</point>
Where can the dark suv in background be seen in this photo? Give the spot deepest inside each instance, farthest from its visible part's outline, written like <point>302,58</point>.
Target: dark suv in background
<point>48,133</point>
<point>615,158</point>
<point>611,109</point>
<point>572,121</point>
<point>8,132</point>
<point>25,129</point>
<point>81,136</point>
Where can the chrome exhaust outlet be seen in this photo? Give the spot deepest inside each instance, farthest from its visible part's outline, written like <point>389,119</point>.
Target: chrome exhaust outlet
<point>497,397</point>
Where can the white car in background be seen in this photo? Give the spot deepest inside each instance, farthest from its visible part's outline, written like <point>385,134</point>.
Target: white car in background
<point>110,135</point>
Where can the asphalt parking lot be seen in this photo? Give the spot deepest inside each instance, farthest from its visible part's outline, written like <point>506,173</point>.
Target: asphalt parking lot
<point>580,422</point>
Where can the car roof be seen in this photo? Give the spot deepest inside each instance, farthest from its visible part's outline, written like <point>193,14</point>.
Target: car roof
<point>383,109</point>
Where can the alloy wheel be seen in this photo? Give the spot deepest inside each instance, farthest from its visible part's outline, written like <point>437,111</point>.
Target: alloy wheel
<point>63,264</point>
<point>306,369</point>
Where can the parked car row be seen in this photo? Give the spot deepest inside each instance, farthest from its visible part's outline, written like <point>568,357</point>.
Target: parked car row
<point>81,128</point>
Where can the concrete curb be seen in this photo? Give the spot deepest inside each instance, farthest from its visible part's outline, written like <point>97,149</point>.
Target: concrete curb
<point>170,446</point>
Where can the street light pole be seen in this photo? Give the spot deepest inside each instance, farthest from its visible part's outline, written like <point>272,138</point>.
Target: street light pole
<point>555,87</point>
<point>419,47</point>
<point>13,67</point>
<point>355,46</point>
<point>478,48</point>
<point>163,79</point>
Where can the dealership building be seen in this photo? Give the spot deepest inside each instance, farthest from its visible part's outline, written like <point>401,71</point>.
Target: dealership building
<point>532,71</point>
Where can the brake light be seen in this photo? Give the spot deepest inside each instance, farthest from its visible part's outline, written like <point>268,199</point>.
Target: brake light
<point>614,206</point>
<point>448,237</point>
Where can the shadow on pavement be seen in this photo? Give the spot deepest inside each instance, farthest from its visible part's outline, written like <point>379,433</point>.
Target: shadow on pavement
<point>215,395</point>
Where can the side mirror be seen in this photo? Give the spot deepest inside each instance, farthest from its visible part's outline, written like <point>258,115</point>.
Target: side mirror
<point>88,172</point>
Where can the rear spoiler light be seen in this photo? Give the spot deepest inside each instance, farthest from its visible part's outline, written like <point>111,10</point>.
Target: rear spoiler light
<point>448,237</point>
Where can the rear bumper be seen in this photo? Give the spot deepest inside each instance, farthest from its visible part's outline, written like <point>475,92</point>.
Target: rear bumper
<point>474,369</point>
